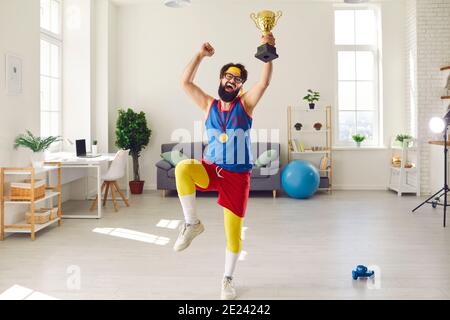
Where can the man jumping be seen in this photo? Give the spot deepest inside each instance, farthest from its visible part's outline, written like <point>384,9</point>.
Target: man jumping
<point>227,163</point>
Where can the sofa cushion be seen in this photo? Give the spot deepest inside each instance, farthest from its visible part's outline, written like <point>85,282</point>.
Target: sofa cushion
<point>266,157</point>
<point>264,172</point>
<point>163,164</point>
<point>173,157</point>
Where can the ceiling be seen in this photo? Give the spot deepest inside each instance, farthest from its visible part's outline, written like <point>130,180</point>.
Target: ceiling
<point>128,2</point>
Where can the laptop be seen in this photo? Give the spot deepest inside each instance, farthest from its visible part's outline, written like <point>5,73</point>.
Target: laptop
<point>81,150</point>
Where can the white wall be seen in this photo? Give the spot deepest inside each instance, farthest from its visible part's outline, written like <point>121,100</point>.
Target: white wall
<point>154,44</point>
<point>19,34</point>
<point>429,41</point>
<point>77,82</point>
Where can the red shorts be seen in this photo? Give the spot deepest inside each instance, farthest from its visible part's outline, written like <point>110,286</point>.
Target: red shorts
<point>233,187</point>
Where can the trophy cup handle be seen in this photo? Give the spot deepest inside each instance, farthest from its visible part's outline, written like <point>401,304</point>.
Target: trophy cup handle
<point>277,16</point>
<point>254,19</point>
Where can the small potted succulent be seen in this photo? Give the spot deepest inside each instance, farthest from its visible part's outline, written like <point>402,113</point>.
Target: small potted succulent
<point>36,144</point>
<point>317,126</point>
<point>312,97</point>
<point>404,139</point>
<point>298,126</point>
<point>358,138</point>
<point>94,147</point>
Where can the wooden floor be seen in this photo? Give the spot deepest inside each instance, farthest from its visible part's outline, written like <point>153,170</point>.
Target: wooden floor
<point>294,250</point>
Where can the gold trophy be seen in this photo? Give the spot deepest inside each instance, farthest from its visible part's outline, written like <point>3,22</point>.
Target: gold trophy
<point>265,21</point>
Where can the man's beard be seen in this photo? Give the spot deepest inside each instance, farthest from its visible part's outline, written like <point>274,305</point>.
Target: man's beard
<point>227,96</point>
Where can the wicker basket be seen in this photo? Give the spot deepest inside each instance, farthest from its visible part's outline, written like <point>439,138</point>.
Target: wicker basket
<point>42,215</point>
<point>21,191</point>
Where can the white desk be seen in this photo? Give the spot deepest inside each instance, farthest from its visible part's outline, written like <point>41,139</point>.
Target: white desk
<point>70,160</point>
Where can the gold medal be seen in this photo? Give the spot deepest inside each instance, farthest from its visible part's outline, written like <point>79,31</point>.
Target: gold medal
<point>223,137</point>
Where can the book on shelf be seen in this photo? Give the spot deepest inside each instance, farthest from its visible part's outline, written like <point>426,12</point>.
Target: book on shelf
<point>301,146</point>
<point>297,146</point>
<point>294,146</point>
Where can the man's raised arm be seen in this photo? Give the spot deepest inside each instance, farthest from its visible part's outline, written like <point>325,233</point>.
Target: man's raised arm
<point>252,97</point>
<point>200,98</point>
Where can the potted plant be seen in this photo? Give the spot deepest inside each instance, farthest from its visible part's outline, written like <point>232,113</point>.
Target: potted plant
<point>404,139</point>
<point>37,144</point>
<point>312,97</point>
<point>133,134</point>
<point>94,147</point>
<point>358,138</point>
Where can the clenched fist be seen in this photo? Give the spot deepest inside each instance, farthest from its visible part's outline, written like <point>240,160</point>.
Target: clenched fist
<point>268,38</point>
<point>206,50</point>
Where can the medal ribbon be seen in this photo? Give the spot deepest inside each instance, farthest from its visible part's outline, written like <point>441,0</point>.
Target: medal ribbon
<point>222,124</point>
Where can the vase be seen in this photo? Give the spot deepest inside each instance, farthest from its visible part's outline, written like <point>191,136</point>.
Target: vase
<point>37,159</point>
<point>358,144</point>
<point>94,149</point>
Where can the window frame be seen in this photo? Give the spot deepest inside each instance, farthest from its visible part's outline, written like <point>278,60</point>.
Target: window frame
<point>57,40</point>
<point>376,50</point>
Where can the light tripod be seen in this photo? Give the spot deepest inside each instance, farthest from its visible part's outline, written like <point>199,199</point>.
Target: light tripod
<point>444,190</point>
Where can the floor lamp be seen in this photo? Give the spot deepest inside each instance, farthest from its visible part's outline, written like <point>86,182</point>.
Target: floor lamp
<point>439,125</point>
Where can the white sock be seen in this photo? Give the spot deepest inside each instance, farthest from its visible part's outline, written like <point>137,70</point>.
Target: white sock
<point>189,208</point>
<point>230,263</point>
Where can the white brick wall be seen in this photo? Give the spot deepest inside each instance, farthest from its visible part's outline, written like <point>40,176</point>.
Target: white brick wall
<point>427,50</point>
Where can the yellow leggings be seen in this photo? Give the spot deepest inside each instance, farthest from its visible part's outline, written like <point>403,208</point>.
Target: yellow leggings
<point>191,172</point>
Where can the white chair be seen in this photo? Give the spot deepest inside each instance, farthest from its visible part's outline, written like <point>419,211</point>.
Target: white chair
<point>116,170</point>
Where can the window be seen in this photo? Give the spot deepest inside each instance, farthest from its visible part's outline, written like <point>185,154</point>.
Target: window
<point>51,61</point>
<point>358,94</point>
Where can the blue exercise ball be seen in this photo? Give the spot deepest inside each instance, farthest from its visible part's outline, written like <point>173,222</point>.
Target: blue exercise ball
<point>300,179</point>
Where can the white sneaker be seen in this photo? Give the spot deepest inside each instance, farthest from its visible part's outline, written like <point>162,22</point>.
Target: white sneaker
<point>228,291</point>
<point>187,233</point>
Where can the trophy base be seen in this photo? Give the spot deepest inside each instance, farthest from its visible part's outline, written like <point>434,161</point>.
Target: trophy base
<point>266,53</point>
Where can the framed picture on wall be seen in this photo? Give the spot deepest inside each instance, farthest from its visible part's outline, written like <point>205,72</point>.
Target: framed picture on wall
<point>13,74</point>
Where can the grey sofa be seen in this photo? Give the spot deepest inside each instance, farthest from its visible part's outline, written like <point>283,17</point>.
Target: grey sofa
<point>262,179</point>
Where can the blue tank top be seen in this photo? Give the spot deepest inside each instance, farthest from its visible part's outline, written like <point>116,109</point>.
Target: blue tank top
<point>235,153</point>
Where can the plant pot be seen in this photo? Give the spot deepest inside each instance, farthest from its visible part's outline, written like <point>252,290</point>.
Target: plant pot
<point>312,106</point>
<point>405,144</point>
<point>94,149</point>
<point>317,126</point>
<point>358,144</point>
<point>37,159</point>
<point>136,187</point>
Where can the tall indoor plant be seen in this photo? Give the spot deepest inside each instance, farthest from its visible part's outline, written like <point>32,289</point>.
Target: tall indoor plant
<point>133,134</point>
<point>36,144</point>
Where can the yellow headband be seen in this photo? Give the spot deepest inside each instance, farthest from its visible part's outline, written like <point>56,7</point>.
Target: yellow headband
<point>235,70</point>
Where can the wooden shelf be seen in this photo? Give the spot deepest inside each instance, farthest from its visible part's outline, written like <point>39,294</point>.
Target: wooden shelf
<point>406,169</point>
<point>445,68</point>
<point>401,148</point>
<point>445,97</point>
<point>28,171</point>
<point>311,137</point>
<point>311,131</point>
<point>48,195</point>
<point>24,227</point>
<point>439,143</point>
<point>310,151</point>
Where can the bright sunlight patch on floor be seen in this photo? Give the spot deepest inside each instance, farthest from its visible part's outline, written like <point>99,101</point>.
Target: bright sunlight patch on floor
<point>133,235</point>
<point>169,224</point>
<point>17,292</point>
